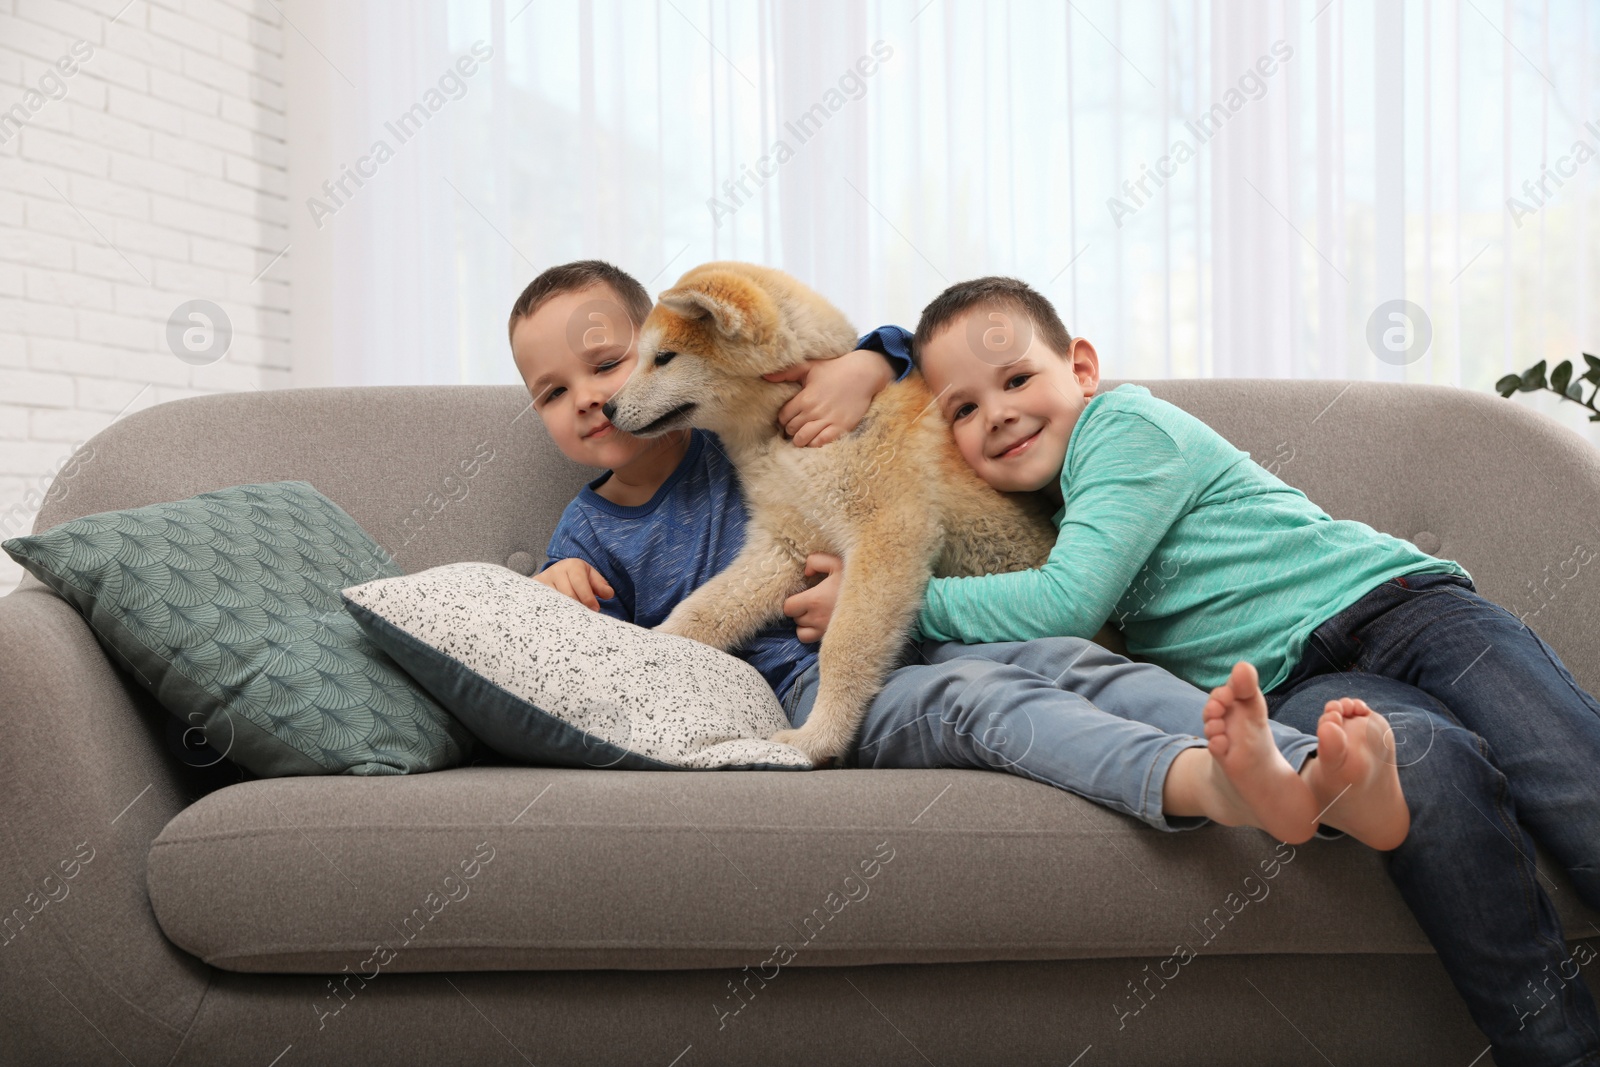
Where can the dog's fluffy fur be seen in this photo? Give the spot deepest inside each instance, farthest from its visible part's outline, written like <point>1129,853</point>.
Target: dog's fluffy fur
<point>894,498</point>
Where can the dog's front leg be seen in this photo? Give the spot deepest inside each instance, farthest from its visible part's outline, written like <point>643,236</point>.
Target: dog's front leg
<point>884,578</point>
<point>742,598</point>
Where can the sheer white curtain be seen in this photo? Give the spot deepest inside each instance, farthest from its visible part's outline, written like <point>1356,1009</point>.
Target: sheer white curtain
<point>1204,188</point>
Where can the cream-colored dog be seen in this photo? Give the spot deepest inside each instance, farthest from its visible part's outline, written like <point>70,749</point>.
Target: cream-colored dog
<point>893,499</point>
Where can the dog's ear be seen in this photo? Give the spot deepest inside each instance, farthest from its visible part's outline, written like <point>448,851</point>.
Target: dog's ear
<point>736,306</point>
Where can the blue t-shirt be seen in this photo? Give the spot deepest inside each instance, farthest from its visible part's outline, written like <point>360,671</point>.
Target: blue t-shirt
<point>655,554</point>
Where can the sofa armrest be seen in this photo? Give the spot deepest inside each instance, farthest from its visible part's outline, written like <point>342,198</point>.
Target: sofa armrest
<point>87,781</point>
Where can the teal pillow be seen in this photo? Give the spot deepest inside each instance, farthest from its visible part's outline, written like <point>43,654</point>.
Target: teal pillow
<point>226,607</point>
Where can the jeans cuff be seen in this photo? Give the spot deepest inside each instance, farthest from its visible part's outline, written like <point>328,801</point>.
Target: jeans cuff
<point>1156,780</point>
<point>1297,756</point>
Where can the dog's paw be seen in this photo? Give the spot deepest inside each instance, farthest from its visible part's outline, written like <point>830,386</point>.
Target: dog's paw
<point>670,625</point>
<point>812,744</point>
<point>685,624</point>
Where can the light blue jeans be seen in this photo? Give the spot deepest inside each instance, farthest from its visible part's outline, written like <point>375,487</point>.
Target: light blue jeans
<point>1060,710</point>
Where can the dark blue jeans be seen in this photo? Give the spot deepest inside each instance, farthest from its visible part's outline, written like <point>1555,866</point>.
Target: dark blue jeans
<point>1496,745</point>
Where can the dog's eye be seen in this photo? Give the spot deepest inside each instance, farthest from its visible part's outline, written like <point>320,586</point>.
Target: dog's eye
<point>663,358</point>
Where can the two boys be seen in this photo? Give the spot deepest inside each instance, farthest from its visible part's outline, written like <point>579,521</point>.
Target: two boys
<point>668,512</point>
<point>667,515</point>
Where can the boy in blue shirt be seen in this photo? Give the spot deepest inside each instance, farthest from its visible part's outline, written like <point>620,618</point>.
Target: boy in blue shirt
<point>667,514</point>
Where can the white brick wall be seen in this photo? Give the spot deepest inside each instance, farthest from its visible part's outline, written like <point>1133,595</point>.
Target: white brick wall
<point>158,178</point>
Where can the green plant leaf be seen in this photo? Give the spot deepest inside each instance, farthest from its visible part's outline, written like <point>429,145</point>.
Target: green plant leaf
<point>1593,361</point>
<point>1533,377</point>
<point>1561,376</point>
<point>1592,376</point>
<point>1594,418</point>
<point>1508,385</point>
<point>1575,392</point>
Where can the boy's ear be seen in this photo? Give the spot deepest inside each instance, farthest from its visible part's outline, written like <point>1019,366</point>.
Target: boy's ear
<point>733,304</point>
<point>1085,363</point>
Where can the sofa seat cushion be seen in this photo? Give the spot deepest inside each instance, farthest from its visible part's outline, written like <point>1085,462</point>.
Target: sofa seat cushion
<point>496,868</point>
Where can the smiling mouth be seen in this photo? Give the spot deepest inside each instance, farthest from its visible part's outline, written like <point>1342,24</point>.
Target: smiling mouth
<point>1012,451</point>
<point>660,424</point>
<point>598,431</point>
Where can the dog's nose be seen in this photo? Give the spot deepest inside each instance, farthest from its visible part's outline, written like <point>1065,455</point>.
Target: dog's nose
<point>609,409</point>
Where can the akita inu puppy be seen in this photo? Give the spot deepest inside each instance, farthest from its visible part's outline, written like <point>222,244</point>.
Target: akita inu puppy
<point>893,498</point>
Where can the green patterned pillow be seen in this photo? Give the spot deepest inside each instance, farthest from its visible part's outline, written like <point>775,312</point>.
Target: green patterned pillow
<point>226,607</point>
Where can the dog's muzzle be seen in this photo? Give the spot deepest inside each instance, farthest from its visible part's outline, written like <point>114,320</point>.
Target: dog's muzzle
<point>660,424</point>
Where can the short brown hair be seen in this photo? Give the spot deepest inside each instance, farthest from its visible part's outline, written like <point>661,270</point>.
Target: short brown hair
<point>993,291</point>
<point>581,274</point>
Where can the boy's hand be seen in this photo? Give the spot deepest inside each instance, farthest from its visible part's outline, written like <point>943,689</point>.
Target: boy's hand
<point>577,579</point>
<point>834,395</point>
<point>812,609</point>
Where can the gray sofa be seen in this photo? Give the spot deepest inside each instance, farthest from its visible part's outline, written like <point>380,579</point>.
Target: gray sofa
<point>705,918</point>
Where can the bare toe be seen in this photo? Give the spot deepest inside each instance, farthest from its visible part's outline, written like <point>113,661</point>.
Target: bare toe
<point>1356,780</point>
<point>1331,746</point>
<point>1244,681</point>
<point>1270,794</point>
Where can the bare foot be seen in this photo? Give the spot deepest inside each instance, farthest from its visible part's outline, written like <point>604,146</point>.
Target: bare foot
<point>1254,781</point>
<point>1354,776</point>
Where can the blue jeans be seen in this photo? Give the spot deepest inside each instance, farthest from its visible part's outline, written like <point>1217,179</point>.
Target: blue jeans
<point>1495,742</point>
<point>1059,710</point>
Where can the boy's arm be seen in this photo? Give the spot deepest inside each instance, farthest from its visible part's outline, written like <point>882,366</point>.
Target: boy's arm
<point>577,578</point>
<point>1129,484</point>
<point>893,343</point>
<point>836,391</point>
<point>574,538</point>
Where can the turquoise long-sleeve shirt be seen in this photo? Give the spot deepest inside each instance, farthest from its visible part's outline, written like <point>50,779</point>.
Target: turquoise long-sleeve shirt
<point>1201,556</point>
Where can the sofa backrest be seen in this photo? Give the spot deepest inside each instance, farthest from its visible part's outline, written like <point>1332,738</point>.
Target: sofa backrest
<point>436,474</point>
<point>439,474</point>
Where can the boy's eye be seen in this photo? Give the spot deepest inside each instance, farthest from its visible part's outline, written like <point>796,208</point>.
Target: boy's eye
<point>1017,378</point>
<point>602,368</point>
<point>552,394</point>
<point>963,411</point>
<point>663,358</point>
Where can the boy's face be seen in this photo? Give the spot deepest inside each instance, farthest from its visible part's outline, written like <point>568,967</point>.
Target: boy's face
<point>1010,400</point>
<point>573,352</point>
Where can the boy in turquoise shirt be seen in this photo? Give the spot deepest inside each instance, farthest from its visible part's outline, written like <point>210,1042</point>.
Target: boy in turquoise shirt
<point>1205,559</point>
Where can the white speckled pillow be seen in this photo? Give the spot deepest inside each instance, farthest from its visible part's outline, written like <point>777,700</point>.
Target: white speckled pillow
<point>542,679</point>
